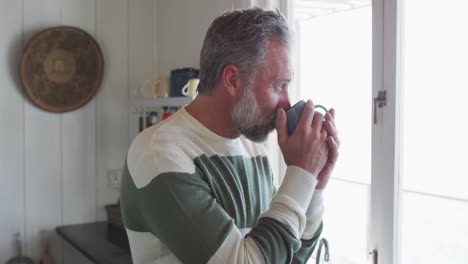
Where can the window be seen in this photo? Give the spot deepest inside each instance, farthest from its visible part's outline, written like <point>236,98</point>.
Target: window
<point>400,186</point>
<point>334,69</point>
<point>434,178</point>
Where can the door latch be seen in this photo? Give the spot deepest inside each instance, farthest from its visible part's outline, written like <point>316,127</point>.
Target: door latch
<point>379,101</point>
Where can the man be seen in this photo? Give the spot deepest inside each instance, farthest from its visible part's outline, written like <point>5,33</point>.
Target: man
<point>199,189</point>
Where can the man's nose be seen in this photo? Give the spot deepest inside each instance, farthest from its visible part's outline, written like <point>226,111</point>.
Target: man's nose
<point>284,100</point>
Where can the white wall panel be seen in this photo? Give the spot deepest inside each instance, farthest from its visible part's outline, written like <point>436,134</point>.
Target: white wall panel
<point>53,166</point>
<point>112,101</point>
<point>141,42</point>
<point>11,128</point>
<point>43,158</point>
<point>181,27</point>
<point>142,50</point>
<point>79,135</point>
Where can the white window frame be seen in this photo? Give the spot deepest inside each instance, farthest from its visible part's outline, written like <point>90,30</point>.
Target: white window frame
<point>385,172</point>
<point>386,75</point>
<point>385,187</point>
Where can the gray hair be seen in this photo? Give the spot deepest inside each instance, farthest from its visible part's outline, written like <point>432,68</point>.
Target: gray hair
<point>239,37</point>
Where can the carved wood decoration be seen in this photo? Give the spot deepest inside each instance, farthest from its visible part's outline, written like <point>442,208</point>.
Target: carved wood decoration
<point>61,69</point>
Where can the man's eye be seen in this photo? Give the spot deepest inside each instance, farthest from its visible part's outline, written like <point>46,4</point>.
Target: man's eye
<point>281,87</point>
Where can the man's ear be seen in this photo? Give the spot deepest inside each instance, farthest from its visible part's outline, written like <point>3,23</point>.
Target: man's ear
<point>231,79</point>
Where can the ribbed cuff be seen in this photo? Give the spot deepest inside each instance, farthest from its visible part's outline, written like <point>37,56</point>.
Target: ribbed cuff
<point>290,203</point>
<point>299,185</point>
<point>314,215</point>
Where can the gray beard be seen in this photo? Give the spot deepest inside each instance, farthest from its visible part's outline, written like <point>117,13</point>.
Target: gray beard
<point>247,117</point>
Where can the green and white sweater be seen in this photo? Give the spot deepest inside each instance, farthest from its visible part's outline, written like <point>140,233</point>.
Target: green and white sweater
<point>191,196</point>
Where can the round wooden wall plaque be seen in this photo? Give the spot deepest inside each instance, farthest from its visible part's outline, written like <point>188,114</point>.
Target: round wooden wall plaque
<point>61,68</point>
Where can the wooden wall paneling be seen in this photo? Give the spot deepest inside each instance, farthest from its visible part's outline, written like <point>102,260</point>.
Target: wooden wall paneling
<point>142,51</point>
<point>11,129</point>
<point>43,158</point>
<point>112,101</point>
<point>79,135</point>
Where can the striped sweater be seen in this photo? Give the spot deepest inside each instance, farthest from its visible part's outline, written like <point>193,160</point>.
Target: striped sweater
<point>189,195</point>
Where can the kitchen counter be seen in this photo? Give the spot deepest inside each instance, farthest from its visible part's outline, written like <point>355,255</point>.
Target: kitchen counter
<point>100,242</point>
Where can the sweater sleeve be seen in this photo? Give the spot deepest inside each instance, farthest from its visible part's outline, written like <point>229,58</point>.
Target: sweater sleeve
<point>313,226</point>
<point>314,215</point>
<point>307,247</point>
<point>179,209</point>
<point>313,229</point>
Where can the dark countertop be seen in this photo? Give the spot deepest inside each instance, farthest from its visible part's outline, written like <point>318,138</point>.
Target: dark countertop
<point>100,242</point>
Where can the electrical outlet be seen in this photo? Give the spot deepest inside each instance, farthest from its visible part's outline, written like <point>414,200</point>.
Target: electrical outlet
<point>115,177</point>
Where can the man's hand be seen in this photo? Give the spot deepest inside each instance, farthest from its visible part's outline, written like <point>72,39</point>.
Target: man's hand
<point>333,147</point>
<point>307,147</point>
